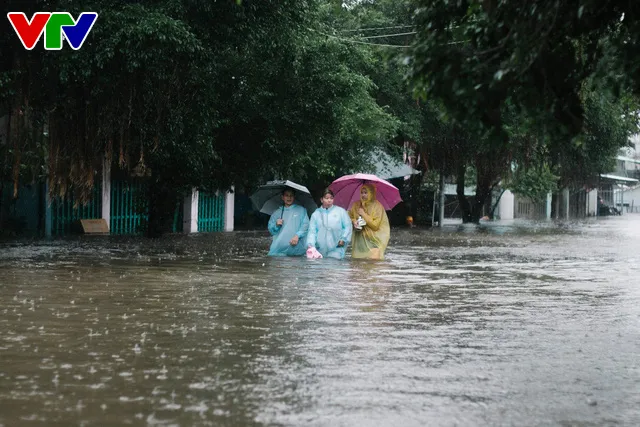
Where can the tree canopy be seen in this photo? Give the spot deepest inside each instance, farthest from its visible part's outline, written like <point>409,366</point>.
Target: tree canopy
<point>193,93</point>
<point>206,94</point>
<point>544,84</point>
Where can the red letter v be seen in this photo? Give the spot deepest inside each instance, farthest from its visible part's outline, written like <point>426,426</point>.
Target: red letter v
<point>28,32</point>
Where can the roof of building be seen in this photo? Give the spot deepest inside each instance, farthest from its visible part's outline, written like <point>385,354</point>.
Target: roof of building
<point>617,178</point>
<point>628,159</point>
<point>388,167</point>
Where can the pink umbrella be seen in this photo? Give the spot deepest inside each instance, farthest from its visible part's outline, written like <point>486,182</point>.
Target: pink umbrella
<point>347,190</point>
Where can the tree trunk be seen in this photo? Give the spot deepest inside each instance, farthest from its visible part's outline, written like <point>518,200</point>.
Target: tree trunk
<point>161,198</point>
<point>465,207</point>
<point>415,183</point>
<point>483,191</point>
<point>555,206</point>
<point>489,166</point>
<point>492,214</point>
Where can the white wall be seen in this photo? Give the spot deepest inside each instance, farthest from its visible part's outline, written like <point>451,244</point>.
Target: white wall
<point>505,208</point>
<point>229,210</point>
<point>190,213</point>
<point>633,197</point>
<point>592,202</point>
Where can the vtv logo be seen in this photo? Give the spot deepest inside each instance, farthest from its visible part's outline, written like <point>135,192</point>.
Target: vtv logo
<point>54,25</point>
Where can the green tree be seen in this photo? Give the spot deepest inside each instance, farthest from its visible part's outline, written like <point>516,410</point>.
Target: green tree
<point>160,89</point>
<point>521,80</point>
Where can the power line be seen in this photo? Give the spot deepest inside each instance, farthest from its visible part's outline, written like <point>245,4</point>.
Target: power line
<point>358,41</point>
<point>388,35</point>
<point>377,28</point>
<point>378,44</point>
<point>390,28</point>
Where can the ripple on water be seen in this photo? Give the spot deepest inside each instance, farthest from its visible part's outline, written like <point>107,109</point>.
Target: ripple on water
<point>503,324</point>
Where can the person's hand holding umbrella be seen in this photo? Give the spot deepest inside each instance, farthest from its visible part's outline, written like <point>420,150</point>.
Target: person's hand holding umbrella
<point>287,200</point>
<point>364,215</point>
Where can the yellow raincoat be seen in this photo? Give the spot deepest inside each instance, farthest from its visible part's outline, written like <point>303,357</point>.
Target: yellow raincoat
<point>372,240</point>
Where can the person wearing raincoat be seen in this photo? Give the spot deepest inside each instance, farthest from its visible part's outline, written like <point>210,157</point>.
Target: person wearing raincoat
<point>329,228</point>
<point>288,226</point>
<point>372,232</point>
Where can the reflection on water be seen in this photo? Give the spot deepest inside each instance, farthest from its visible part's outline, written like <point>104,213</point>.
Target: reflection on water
<point>504,324</point>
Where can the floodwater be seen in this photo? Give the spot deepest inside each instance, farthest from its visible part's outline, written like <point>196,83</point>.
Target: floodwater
<point>505,324</point>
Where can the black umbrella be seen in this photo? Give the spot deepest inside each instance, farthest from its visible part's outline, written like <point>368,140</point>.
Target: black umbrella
<point>267,199</point>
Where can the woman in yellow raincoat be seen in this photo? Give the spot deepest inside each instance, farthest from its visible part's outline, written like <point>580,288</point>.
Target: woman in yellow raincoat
<point>371,237</point>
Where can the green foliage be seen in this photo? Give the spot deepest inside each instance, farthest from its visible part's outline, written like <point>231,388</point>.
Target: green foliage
<point>544,85</point>
<point>157,87</point>
<point>478,56</point>
<point>534,183</point>
<point>431,180</point>
<point>210,94</point>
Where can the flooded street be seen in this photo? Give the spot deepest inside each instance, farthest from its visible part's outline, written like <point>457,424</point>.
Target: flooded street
<point>505,324</point>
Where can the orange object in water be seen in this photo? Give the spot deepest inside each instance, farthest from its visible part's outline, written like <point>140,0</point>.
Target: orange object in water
<point>410,220</point>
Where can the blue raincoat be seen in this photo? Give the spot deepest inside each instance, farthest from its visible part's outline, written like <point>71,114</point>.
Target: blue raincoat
<point>326,228</point>
<point>295,222</point>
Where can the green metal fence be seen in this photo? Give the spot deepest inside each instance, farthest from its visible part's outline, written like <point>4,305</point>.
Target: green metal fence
<point>129,212</point>
<point>210,212</point>
<point>64,215</point>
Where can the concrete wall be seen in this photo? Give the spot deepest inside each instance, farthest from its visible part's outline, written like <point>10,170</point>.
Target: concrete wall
<point>229,207</point>
<point>190,213</point>
<point>506,206</point>
<point>592,202</point>
<point>632,198</point>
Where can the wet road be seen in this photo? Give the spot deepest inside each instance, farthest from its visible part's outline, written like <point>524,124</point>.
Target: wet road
<point>506,324</point>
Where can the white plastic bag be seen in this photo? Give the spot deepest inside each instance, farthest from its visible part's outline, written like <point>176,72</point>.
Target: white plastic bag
<point>312,253</point>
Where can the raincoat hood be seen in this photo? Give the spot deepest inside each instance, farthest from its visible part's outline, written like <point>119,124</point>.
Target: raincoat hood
<point>371,196</point>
